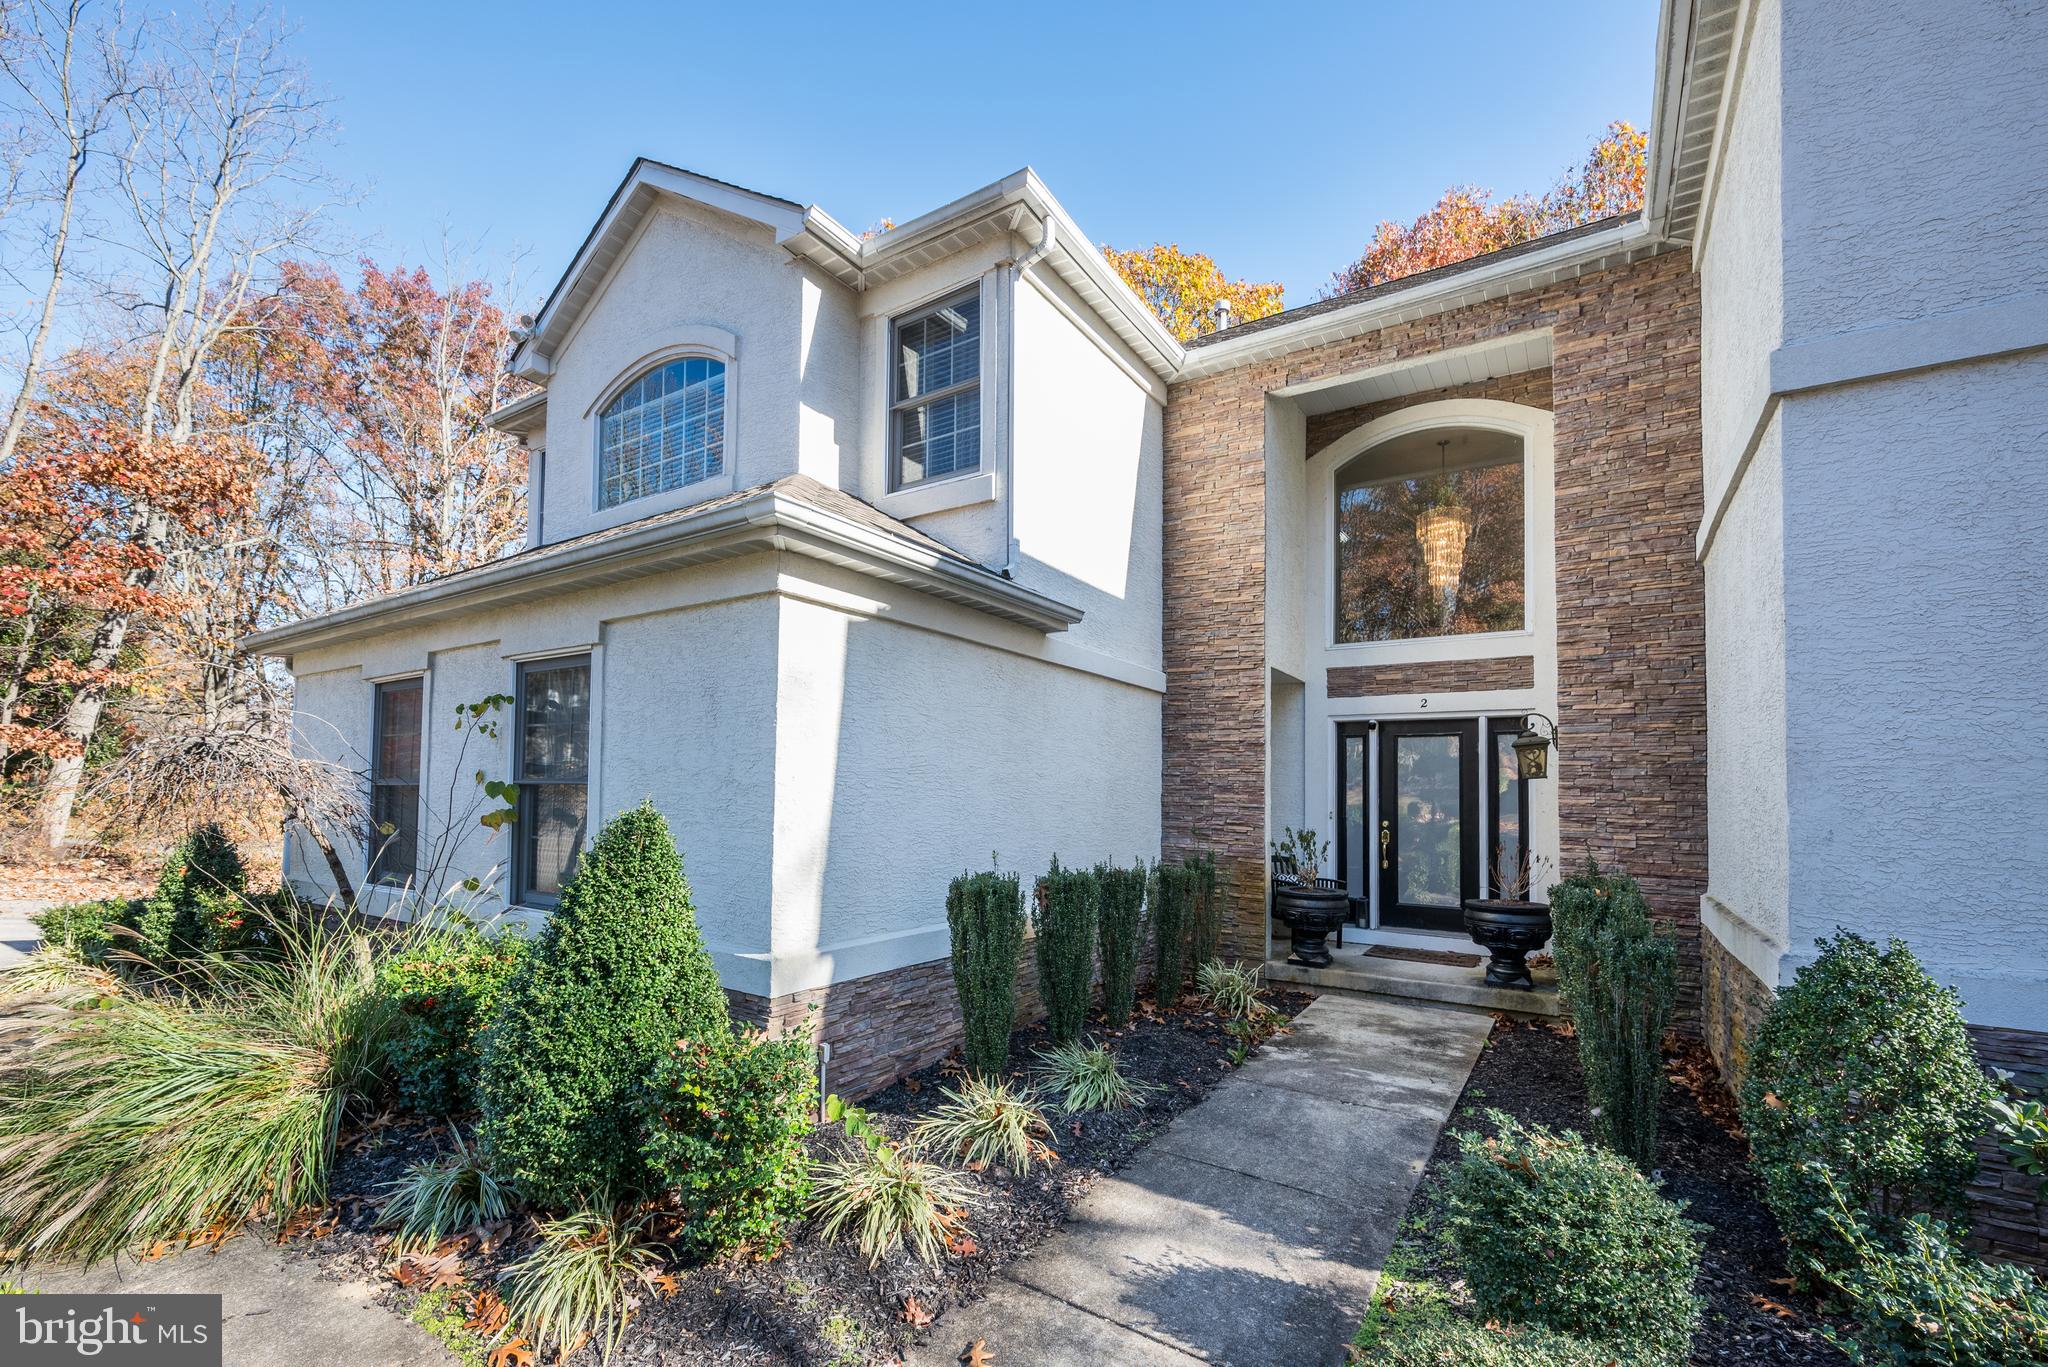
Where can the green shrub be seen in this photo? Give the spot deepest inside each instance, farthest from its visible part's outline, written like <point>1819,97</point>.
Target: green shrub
<point>201,904</point>
<point>1063,920</point>
<point>1205,912</point>
<point>442,1197</point>
<point>1862,1073</point>
<point>617,977</point>
<point>1917,1297</point>
<point>144,1117</point>
<point>1619,978</point>
<point>1172,894</point>
<point>726,1122</point>
<point>988,1122</point>
<point>85,929</point>
<point>1438,1337</point>
<point>887,1198</point>
<point>1120,916</point>
<point>985,913</point>
<point>1085,1079</point>
<point>1553,1231</point>
<point>1232,989</point>
<point>580,1278</point>
<point>446,991</point>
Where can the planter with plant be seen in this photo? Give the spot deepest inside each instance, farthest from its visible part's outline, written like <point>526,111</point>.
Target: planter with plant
<point>1311,907</point>
<point>1510,925</point>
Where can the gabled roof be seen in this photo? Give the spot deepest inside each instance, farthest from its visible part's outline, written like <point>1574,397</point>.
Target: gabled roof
<point>795,513</point>
<point>1019,203</point>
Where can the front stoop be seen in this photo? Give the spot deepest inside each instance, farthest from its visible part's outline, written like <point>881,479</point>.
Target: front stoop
<point>1353,970</point>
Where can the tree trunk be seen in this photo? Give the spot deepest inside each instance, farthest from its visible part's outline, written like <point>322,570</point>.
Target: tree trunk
<point>81,719</point>
<point>344,887</point>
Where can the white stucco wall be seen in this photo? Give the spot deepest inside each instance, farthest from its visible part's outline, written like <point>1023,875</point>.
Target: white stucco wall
<point>1874,348</point>
<point>792,388</point>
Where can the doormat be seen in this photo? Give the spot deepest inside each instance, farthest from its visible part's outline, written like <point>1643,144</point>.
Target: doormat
<point>1447,957</point>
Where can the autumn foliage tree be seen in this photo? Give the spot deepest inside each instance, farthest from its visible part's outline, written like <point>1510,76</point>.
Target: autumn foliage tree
<point>1467,220</point>
<point>1185,289</point>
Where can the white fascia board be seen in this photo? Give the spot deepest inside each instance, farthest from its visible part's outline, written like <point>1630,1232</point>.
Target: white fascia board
<point>1617,245</point>
<point>528,413</point>
<point>768,520</point>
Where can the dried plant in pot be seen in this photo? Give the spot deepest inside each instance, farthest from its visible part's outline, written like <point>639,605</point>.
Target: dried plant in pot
<point>1310,906</point>
<point>1509,926</point>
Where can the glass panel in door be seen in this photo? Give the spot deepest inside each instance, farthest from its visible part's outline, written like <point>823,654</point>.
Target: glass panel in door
<point>1428,817</point>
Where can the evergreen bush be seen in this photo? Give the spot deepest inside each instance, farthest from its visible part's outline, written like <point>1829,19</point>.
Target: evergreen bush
<point>446,991</point>
<point>1554,1231</point>
<point>985,914</point>
<point>85,929</point>
<point>1172,894</point>
<point>1120,912</point>
<point>727,1118</point>
<point>1438,1337</point>
<point>619,975</point>
<point>1063,919</point>
<point>1861,1080</point>
<point>200,905</point>
<point>1619,978</point>
<point>1205,916</point>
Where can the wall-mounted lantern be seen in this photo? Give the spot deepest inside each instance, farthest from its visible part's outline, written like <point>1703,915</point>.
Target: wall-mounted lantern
<point>1532,747</point>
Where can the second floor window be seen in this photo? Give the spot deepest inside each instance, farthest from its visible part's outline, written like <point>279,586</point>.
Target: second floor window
<point>663,431</point>
<point>935,391</point>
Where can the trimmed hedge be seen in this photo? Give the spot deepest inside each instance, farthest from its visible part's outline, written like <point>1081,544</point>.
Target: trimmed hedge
<point>1917,1297</point>
<point>1440,1338</point>
<point>1120,919</point>
<point>446,991</point>
<point>1063,919</point>
<point>617,977</point>
<point>985,914</point>
<point>1172,894</point>
<point>726,1120</point>
<point>1557,1232</point>
<point>1861,1081</point>
<point>86,929</point>
<point>1619,978</point>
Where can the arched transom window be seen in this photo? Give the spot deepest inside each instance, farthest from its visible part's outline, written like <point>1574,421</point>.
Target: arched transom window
<point>663,431</point>
<point>1430,531</point>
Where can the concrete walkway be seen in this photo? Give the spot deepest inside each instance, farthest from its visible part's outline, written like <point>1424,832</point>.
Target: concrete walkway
<point>1252,1230</point>
<point>18,935</point>
<point>275,1308</point>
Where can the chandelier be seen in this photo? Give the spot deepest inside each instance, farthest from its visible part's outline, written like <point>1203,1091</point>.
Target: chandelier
<point>1442,528</point>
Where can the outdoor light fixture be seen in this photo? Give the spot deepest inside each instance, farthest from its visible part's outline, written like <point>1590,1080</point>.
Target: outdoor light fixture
<point>1442,529</point>
<point>1532,748</point>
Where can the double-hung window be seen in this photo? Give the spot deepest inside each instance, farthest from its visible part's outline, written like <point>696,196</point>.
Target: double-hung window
<point>553,775</point>
<point>935,391</point>
<point>395,783</point>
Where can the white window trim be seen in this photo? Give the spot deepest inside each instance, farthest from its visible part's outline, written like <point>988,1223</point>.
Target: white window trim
<point>714,344</point>
<point>1536,428</point>
<point>963,488</point>
<point>388,899</point>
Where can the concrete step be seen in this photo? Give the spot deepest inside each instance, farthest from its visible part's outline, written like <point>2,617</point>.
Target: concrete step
<point>1353,970</point>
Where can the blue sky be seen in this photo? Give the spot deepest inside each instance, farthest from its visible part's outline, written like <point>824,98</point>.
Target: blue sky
<point>1272,137</point>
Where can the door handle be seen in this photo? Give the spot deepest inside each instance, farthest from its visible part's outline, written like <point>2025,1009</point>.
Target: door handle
<point>1385,836</point>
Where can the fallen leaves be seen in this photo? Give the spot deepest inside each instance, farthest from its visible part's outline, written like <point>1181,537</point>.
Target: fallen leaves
<point>914,1313</point>
<point>1765,1303</point>
<point>517,1353</point>
<point>487,1313</point>
<point>977,1354</point>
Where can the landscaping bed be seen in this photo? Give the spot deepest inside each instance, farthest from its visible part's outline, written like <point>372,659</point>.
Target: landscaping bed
<point>1532,1072</point>
<point>814,1301</point>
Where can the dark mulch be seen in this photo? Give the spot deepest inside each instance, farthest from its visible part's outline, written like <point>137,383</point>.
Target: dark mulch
<point>1753,1315</point>
<point>816,1302</point>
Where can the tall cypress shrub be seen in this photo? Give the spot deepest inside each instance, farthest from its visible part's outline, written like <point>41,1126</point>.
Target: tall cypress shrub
<point>1064,918</point>
<point>619,975</point>
<point>1205,918</point>
<point>1619,978</point>
<point>1120,916</point>
<point>1172,895</point>
<point>198,902</point>
<point>985,913</point>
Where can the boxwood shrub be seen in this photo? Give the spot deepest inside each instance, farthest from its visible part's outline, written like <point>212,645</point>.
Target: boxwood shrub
<point>985,915</point>
<point>86,929</point>
<point>1554,1231</point>
<point>1063,917</point>
<point>1918,1297</point>
<point>200,905</point>
<point>446,991</point>
<point>1440,1338</point>
<point>726,1120</point>
<point>619,975</point>
<point>1861,1081</point>
<point>1120,920</point>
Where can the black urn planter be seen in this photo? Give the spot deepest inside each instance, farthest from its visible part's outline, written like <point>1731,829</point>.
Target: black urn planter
<point>1509,931</point>
<point>1311,913</point>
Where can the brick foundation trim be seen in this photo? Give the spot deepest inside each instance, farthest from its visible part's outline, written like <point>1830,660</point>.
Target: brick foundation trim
<point>1734,1001</point>
<point>1433,676</point>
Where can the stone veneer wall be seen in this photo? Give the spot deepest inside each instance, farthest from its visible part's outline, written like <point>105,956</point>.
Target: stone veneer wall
<point>1433,676</point>
<point>1624,388</point>
<point>2008,1218</point>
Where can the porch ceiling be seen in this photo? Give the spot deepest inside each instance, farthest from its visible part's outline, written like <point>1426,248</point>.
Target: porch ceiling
<point>1419,374</point>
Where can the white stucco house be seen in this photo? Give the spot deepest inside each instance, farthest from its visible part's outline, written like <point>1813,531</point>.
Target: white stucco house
<point>870,559</point>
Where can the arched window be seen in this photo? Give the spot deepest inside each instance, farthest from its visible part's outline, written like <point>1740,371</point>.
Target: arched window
<point>1430,531</point>
<point>663,431</point>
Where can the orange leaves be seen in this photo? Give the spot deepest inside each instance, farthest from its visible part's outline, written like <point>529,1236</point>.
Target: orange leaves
<point>978,1355</point>
<point>1184,288</point>
<point>487,1314</point>
<point>915,1315</point>
<point>1466,221</point>
<point>515,1353</point>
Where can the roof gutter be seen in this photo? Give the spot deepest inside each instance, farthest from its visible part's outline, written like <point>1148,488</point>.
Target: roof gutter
<point>766,521</point>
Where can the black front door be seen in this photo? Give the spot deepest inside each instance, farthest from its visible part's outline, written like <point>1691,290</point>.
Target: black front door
<point>1428,822</point>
